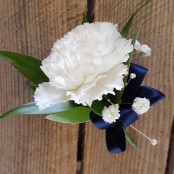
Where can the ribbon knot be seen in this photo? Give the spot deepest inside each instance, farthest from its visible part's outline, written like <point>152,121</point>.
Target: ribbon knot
<point>115,137</point>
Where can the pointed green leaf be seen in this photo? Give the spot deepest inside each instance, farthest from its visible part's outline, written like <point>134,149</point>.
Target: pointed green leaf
<point>134,39</point>
<point>136,34</point>
<point>84,19</point>
<point>97,106</point>
<point>74,115</point>
<point>32,108</point>
<point>126,28</point>
<point>130,139</point>
<point>120,93</point>
<point>27,65</point>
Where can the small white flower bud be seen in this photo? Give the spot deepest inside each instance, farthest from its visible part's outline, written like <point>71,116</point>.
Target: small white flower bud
<point>132,75</point>
<point>146,50</point>
<point>137,45</point>
<point>141,105</point>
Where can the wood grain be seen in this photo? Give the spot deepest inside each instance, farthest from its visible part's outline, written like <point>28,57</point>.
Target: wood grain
<point>32,144</point>
<point>170,161</point>
<point>157,31</point>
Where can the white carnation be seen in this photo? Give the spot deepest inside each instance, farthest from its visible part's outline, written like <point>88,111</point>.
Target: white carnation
<point>85,64</point>
<point>111,114</point>
<point>141,105</point>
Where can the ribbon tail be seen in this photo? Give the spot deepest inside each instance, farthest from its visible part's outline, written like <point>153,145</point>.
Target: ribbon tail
<point>115,139</point>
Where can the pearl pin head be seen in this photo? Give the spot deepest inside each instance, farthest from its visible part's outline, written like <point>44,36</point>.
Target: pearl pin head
<point>154,142</point>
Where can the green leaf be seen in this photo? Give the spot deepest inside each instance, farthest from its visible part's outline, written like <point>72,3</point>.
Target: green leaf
<point>126,28</point>
<point>134,39</point>
<point>130,139</point>
<point>124,33</point>
<point>27,65</point>
<point>117,97</point>
<point>32,108</point>
<point>84,19</point>
<point>120,93</point>
<point>136,34</point>
<point>74,115</point>
<point>97,106</point>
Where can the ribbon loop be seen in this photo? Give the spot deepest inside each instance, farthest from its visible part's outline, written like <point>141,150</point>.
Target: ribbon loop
<point>150,93</point>
<point>130,91</point>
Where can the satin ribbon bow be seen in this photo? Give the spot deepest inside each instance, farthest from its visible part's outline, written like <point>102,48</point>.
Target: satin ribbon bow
<point>115,137</point>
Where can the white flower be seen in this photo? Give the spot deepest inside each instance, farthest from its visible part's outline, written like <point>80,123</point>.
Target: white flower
<point>146,50</point>
<point>137,45</point>
<point>111,114</point>
<point>85,64</point>
<point>47,95</point>
<point>132,75</point>
<point>141,105</point>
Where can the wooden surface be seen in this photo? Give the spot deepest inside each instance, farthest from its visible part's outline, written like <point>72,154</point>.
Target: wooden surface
<point>170,160</point>
<point>33,145</point>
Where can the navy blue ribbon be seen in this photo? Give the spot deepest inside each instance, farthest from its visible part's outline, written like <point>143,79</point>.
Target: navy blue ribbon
<point>115,137</point>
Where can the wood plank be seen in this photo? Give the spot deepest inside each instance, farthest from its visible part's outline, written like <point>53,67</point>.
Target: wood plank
<point>32,144</point>
<point>157,31</point>
<point>170,161</point>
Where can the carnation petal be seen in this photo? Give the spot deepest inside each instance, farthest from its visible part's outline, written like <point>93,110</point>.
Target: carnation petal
<point>47,95</point>
<point>113,79</point>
